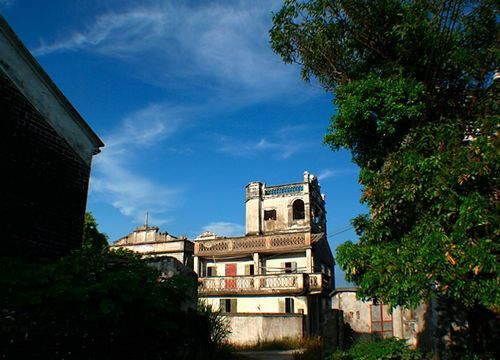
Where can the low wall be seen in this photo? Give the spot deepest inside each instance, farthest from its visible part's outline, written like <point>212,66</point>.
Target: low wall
<point>250,328</point>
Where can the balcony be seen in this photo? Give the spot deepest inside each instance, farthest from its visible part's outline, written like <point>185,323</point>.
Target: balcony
<point>249,244</point>
<point>263,284</point>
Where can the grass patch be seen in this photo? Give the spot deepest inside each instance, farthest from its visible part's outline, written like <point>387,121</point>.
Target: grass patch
<point>314,349</point>
<point>280,344</point>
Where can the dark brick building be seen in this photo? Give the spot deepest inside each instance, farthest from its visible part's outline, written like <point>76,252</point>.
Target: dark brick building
<point>46,150</point>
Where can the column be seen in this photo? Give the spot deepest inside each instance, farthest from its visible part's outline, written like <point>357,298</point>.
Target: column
<point>196,265</point>
<point>256,263</point>
<point>309,263</point>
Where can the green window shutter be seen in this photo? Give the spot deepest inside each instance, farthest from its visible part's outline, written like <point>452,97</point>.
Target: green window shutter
<point>222,305</point>
<point>214,271</point>
<point>281,305</point>
<point>234,305</point>
<point>294,267</point>
<point>247,269</point>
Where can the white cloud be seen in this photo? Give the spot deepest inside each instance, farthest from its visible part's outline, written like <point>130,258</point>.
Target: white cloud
<point>236,147</point>
<point>225,228</point>
<point>220,47</point>
<point>149,126</point>
<point>115,34</point>
<point>328,173</point>
<point>6,3</point>
<point>114,179</point>
<point>282,144</point>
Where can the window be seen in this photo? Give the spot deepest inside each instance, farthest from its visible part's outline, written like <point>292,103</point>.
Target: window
<point>290,267</point>
<point>409,314</point>
<point>381,321</point>
<point>270,214</point>
<point>228,305</point>
<point>249,269</point>
<point>211,271</point>
<point>286,305</point>
<point>298,210</point>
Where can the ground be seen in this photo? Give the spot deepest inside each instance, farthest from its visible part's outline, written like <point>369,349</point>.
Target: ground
<point>266,355</point>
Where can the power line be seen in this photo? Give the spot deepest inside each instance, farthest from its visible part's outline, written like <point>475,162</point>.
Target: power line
<point>341,231</point>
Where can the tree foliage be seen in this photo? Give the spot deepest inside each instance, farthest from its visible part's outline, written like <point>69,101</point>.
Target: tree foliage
<point>97,306</point>
<point>93,240</point>
<point>418,109</point>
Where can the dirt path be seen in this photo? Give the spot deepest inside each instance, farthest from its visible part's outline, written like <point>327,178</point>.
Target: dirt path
<point>266,355</point>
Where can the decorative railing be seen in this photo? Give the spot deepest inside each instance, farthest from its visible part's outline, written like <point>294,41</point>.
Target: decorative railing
<point>251,244</point>
<point>284,189</point>
<point>316,281</point>
<point>262,284</point>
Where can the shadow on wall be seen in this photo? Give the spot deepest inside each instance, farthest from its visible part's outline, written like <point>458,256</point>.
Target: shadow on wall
<point>456,331</point>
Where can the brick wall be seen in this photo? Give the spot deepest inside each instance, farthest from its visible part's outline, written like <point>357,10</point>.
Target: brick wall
<point>44,182</point>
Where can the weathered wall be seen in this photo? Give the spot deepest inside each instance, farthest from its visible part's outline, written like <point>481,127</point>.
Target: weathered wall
<point>44,191</point>
<point>253,328</point>
<point>356,312</point>
<point>406,323</point>
<point>272,265</point>
<point>275,264</point>
<point>262,304</point>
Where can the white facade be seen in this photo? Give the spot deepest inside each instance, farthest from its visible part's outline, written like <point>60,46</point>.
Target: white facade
<point>281,269</point>
<point>149,241</point>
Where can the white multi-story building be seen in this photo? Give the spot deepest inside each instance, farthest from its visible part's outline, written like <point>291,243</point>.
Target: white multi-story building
<point>274,281</point>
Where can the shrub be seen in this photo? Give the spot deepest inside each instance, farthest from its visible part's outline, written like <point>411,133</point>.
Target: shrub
<point>218,329</point>
<point>96,306</point>
<point>392,349</point>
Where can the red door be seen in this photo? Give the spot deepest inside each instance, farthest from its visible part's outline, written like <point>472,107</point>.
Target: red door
<point>230,271</point>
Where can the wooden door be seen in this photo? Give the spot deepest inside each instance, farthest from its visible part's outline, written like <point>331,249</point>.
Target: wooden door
<point>230,271</point>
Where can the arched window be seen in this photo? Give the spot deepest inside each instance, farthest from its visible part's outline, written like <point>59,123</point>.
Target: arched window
<point>298,210</point>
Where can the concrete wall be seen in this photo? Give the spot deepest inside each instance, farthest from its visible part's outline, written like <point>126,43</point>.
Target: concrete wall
<point>409,324</point>
<point>275,264</point>
<point>257,203</point>
<point>261,304</point>
<point>220,266</point>
<point>283,207</point>
<point>356,313</point>
<point>252,328</point>
<point>44,190</point>
<point>272,265</point>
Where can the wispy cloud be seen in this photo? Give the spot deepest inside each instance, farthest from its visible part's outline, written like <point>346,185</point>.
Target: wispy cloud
<point>149,126</point>
<point>328,173</point>
<point>225,228</point>
<point>114,178</point>
<point>6,3</point>
<point>221,47</point>
<point>116,34</point>
<point>282,144</point>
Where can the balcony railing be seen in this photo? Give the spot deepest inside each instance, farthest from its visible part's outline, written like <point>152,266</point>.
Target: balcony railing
<point>262,284</point>
<point>252,244</point>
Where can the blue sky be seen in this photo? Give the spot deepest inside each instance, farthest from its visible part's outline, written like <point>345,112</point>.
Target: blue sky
<point>192,104</point>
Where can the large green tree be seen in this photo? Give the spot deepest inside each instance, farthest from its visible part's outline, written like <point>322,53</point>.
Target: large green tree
<point>93,240</point>
<point>417,106</point>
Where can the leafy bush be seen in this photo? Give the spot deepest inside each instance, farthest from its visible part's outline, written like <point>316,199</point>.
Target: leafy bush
<point>97,306</point>
<point>392,349</point>
<point>218,329</point>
